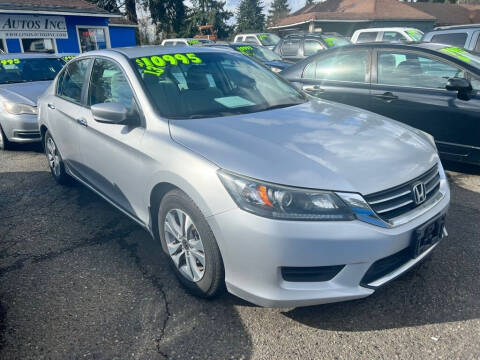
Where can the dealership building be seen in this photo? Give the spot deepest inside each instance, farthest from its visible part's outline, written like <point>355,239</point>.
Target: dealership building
<point>61,26</point>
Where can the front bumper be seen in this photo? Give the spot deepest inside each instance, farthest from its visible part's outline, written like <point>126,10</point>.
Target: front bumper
<point>255,249</point>
<point>20,128</point>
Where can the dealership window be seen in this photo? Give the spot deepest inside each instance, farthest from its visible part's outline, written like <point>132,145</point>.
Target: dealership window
<point>3,48</point>
<point>92,38</point>
<point>38,45</point>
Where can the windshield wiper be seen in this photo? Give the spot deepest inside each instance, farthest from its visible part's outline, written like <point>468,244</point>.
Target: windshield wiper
<point>280,106</point>
<point>13,81</point>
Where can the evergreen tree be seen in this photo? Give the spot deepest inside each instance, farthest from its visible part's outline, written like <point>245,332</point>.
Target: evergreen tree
<point>277,11</point>
<point>250,17</point>
<point>208,12</point>
<point>167,15</point>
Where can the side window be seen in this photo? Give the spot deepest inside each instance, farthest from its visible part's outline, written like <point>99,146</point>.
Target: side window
<point>392,36</point>
<point>311,47</point>
<point>290,47</point>
<point>368,36</point>
<point>251,40</point>
<point>454,39</point>
<point>475,83</point>
<point>109,84</point>
<point>349,66</point>
<point>70,83</point>
<point>410,69</point>
<point>477,47</point>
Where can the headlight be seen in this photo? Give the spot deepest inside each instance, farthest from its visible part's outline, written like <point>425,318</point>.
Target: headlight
<point>275,69</point>
<point>18,109</point>
<point>282,202</point>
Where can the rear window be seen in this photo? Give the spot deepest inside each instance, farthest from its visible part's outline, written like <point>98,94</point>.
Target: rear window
<point>454,39</point>
<point>367,36</point>
<point>290,47</point>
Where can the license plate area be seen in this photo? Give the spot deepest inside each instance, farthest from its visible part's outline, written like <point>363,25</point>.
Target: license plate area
<point>427,235</point>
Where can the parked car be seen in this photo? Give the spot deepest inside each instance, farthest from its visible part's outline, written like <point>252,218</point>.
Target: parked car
<point>242,178</point>
<point>392,34</point>
<point>23,78</point>
<point>186,42</point>
<point>432,87</point>
<point>268,40</point>
<point>462,36</point>
<point>295,47</point>
<point>260,53</point>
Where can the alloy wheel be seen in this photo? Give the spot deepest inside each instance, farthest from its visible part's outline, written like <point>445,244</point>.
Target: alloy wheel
<point>53,157</point>
<point>184,244</point>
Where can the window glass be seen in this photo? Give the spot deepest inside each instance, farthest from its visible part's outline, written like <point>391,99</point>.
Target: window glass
<point>455,39</point>
<point>335,41</point>
<point>477,47</point>
<point>475,83</point>
<point>368,36</point>
<point>92,39</point>
<point>268,39</point>
<point>409,69</point>
<point>349,66</point>
<point>414,34</point>
<point>38,45</point>
<point>311,47</point>
<point>392,36</point>
<point>16,70</point>
<point>73,80</point>
<point>309,72</point>
<point>251,39</point>
<point>2,46</point>
<point>108,84</point>
<point>202,85</point>
<point>169,43</point>
<point>290,47</point>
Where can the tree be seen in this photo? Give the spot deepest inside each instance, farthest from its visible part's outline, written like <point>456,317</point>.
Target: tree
<point>208,12</point>
<point>128,8</point>
<point>250,16</point>
<point>277,11</point>
<point>167,15</point>
<point>309,2</point>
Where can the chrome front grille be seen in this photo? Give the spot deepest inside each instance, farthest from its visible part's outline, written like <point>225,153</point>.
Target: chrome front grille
<point>396,201</point>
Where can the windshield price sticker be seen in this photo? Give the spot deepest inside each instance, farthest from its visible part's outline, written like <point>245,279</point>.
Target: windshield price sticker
<point>156,64</point>
<point>245,50</point>
<point>193,42</point>
<point>331,41</point>
<point>262,36</point>
<point>67,58</point>
<point>460,54</point>
<point>10,61</point>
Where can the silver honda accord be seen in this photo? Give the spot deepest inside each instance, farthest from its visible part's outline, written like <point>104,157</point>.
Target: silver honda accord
<point>23,78</point>
<point>247,183</point>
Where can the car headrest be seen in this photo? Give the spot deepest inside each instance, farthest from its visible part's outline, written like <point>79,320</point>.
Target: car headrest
<point>197,78</point>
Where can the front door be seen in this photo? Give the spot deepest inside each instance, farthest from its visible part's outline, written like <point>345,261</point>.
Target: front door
<point>410,87</point>
<point>114,164</point>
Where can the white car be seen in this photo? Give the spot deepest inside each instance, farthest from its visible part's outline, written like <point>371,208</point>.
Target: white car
<point>268,40</point>
<point>186,42</point>
<point>393,34</point>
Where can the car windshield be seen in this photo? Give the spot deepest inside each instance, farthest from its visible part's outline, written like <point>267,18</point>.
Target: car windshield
<point>200,85</point>
<point>16,70</point>
<point>258,52</point>
<point>462,54</point>
<point>335,41</point>
<point>268,39</point>
<point>414,34</point>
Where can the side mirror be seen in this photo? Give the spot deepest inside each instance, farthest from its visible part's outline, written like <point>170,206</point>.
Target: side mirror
<point>462,86</point>
<point>110,113</point>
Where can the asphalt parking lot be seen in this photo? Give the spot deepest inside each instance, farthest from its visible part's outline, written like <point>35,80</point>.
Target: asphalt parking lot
<point>78,279</point>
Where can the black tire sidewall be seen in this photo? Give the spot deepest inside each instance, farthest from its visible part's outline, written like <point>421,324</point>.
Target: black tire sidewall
<point>213,279</point>
<point>4,145</point>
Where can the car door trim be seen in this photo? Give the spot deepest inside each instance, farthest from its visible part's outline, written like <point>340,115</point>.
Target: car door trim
<point>106,198</point>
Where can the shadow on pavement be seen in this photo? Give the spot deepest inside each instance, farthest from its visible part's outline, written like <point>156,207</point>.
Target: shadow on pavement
<point>445,288</point>
<point>65,257</point>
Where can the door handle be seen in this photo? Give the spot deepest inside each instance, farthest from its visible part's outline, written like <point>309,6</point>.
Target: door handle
<point>388,96</point>
<point>313,89</point>
<point>51,106</point>
<point>82,122</point>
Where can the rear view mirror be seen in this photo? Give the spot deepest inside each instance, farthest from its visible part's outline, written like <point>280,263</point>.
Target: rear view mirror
<point>111,113</point>
<point>462,86</point>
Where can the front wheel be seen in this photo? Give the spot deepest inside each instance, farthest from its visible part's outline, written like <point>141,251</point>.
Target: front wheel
<point>55,162</point>
<point>190,245</point>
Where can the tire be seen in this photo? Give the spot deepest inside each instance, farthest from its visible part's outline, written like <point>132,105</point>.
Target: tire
<point>55,162</point>
<point>196,236</point>
<point>4,143</point>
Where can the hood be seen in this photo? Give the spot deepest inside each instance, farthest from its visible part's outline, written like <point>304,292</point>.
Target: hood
<point>319,145</point>
<point>278,64</point>
<point>25,93</point>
